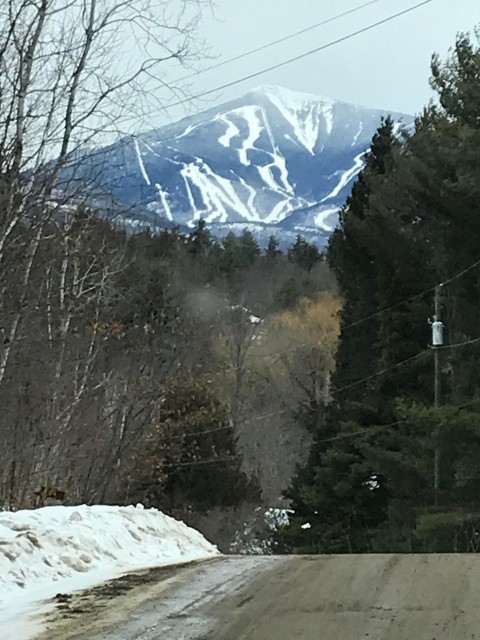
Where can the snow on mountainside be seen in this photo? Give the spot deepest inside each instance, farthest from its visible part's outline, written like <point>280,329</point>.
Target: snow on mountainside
<point>272,161</point>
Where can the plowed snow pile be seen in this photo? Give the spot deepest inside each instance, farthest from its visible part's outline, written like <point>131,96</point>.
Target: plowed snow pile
<point>58,549</point>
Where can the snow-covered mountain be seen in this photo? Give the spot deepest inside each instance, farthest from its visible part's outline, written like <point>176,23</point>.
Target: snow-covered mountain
<point>272,161</point>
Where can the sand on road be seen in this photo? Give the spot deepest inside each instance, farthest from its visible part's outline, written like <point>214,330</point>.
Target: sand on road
<point>351,597</point>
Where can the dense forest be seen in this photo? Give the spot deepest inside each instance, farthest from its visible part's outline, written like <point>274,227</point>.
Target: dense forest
<point>215,378</point>
<point>173,370</point>
<point>389,470</point>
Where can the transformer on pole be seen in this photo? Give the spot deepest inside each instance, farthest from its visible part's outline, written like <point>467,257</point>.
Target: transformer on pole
<point>437,333</point>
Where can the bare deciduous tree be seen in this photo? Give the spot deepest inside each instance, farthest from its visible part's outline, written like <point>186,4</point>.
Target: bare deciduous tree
<point>73,74</point>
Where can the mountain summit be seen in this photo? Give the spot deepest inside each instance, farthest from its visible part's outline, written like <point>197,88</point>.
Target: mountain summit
<point>273,161</point>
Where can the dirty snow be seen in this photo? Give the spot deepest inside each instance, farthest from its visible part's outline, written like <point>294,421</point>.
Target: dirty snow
<point>60,549</point>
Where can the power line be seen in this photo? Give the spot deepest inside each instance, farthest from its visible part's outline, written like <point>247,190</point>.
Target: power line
<point>334,392</point>
<point>462,273</point>
<point>200,462</point>
<point>342,436</point>
<point>412,298</point>
<point>273,43</point>
<point>384,426</point>
<point>390,308</point>
<point>458,344</point>
<point>371,429</point>
<point>206,431</point>
<point>186,434</point>
<point>397,365</point>
<point>330,393</point>
<point>467,404</point>
<point>359,432</point>
<point>364,319</point>
<point>323,440</point>
<point>301,56</point>
<point>378,373</point>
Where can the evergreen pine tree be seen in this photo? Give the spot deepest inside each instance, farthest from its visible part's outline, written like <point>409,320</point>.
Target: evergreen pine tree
<point>272,251</point>
<point>304,254</point>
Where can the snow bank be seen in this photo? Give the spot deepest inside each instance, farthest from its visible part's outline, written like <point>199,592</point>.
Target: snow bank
<point>58,549</point>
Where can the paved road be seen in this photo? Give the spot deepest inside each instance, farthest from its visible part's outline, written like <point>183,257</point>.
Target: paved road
<point>379,597</point>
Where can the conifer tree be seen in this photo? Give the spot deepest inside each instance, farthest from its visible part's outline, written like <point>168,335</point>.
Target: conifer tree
<point>272,251</point>
<point>411,222</point>
<point>304,254</point>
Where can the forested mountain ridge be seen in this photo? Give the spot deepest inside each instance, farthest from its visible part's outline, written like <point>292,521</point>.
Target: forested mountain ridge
<point>389,471</point>
<point>271,161</point>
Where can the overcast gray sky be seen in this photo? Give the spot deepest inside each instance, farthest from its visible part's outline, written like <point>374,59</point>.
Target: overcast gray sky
<point>386,68</point>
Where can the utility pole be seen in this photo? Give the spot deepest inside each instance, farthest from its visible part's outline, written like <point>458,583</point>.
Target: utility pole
<point>437,343</point>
